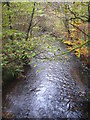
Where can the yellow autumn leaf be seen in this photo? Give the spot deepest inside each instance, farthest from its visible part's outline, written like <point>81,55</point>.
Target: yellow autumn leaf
<point>35,65</point>
<point>68,42</point>
<point>73,30</point>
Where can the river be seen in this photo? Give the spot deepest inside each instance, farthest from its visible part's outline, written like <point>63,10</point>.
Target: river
<point>53,89</point>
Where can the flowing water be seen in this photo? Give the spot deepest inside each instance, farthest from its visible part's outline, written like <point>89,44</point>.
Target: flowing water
<point>52,89</point>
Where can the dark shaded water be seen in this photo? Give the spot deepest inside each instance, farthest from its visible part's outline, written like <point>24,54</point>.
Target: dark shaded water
<point>52,89</point>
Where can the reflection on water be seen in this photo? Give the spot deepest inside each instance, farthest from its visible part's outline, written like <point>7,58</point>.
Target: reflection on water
<point>57,91</point>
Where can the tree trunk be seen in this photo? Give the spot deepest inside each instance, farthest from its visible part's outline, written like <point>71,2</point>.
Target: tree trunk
<point>10,26</point>
<point>8,5</point>
<point>66,22</point>
<point>30,24</point>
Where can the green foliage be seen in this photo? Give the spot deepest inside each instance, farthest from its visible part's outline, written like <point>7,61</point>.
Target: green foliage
<point>18,48</point>
<point>9,73</point>
<point>15,54</point>
<point>16,51</point>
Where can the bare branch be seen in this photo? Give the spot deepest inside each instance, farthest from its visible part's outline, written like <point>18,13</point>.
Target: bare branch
<point>79,29</point>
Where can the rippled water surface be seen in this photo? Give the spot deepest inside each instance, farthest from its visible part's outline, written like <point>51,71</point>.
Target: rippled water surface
<point>52,89</point>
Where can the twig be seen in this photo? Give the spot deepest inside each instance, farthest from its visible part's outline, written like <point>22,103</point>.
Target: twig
<point>11,61</point>
<point>79,29</point>
<point>76,15</point>
<point>78,18</point>
<point>76,47</point>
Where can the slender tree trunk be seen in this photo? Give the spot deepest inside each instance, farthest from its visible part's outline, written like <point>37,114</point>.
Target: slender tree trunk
<point>30,24</point>
<point>89,12</point>
<point>10,21</point>
<point>8,5</point>
<point>89,23</point>
<point>89,19</point>
<point>88,32</point>
<point>66,22</point>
